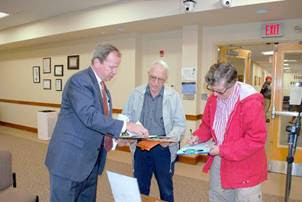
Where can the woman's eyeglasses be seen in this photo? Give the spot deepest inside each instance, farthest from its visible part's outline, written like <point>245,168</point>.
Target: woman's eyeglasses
<point>219,92</point>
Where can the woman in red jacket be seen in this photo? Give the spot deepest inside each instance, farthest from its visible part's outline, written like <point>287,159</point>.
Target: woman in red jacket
<point>234,119</point>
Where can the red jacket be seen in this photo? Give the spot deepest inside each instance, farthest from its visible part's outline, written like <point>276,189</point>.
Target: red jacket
<point>243,159</point>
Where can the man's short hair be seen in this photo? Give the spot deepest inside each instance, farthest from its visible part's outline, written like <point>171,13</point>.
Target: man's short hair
<point>103,50</point>
<point>161,63</point>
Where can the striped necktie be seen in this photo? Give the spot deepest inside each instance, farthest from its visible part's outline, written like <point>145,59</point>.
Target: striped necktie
<point>107,139</point>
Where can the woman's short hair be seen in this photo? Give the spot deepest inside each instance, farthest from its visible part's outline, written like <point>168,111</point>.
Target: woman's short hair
<point>103,50</point>
<point>221,72</point>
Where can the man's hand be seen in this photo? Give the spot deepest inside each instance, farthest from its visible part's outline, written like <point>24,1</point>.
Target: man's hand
<point>121,142</point>
<point>138,129</point>
<point>164,144</point>
<point>193,140</point>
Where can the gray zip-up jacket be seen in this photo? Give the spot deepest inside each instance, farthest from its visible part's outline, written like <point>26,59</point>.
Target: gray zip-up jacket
<point>173,114</point>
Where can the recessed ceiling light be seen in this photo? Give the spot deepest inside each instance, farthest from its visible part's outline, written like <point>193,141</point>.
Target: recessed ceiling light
<point>120,29</point>
<point>267,52</point>
<point>290,60</point>
<point>2,14</point>
<point>261,11</point>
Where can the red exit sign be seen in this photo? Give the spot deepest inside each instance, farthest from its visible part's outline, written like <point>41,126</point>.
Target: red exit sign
<point>272,29</point>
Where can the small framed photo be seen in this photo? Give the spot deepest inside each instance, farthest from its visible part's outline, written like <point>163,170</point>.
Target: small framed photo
<point>46,65</point>
<point>46,84</point>
<point>58,85</point>
<point>58,70</point>
<point>73,62</point>
<point>36,74</point>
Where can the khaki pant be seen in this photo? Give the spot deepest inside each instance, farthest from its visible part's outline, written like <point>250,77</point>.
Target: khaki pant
<point>267,105</point>
<point>218,194</point>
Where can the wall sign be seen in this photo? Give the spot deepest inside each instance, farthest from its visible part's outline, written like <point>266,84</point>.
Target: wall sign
<point>272,29</point>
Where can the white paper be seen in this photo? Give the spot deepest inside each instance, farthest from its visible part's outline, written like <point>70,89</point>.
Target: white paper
<point>295,95</point>
<point>188,74</point>
<point>124,188</point>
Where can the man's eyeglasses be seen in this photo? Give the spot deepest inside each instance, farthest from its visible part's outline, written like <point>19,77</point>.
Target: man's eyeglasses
<point>219,92</point>
<point>154,78</point>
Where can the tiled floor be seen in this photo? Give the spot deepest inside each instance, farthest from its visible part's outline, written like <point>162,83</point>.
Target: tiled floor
<point>275,184</point>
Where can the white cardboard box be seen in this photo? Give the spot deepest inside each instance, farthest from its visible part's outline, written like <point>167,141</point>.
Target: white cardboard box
<point>46,121</point>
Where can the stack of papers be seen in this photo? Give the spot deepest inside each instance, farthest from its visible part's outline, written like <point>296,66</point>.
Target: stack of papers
<point>202,148</point>
<point>130,135</point>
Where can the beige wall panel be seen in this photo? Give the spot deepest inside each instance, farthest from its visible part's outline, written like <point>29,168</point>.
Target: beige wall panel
<point>171,43</point>
<point>24,115</point>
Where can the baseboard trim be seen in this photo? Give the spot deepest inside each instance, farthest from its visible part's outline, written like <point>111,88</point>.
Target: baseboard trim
<point>17,126</point>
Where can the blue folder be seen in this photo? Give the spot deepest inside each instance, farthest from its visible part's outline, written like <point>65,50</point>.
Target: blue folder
<point>202,148</point>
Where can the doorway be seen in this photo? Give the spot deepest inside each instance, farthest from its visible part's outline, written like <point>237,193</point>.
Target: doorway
<point>283,62</point>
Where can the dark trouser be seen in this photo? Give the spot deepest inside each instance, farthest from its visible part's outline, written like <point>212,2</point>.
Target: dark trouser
<point>65,190</point>
<point>157,161</point>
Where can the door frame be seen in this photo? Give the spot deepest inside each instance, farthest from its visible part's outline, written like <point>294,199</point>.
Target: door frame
<point>277,153</point>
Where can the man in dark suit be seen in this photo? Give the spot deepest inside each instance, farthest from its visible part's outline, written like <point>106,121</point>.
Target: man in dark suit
<point>82,136</point>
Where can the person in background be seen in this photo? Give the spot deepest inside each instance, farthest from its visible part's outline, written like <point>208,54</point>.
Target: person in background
<point>84,130</point>
<point>233,120</point>
<point>266,92</point>
<point>159,109</point>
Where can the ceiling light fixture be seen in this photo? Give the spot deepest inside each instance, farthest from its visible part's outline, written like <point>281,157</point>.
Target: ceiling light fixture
<point>2,14</point>
<point>267,52</point>
<point>290,60</point>
<point>261,11</point>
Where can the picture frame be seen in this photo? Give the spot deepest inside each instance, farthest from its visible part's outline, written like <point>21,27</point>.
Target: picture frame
<point>46,65</point>
<point>73,62</point>
<point>47,84</point>
<point>58,70</point>
<point>58,84</point>
<point>36,74</point>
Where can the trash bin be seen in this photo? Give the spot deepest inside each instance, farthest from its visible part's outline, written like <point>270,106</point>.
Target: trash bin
<point>46,121</point>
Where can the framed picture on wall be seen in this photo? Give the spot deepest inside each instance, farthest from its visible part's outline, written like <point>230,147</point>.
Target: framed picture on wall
<point>46,65</point>
<point>73,62</point>
<point>58,85</point>
<point>58,70</point>
<point>46,84</point>
<point>36,74</point>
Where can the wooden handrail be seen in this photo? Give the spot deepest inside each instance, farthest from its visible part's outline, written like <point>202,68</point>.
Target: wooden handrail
<point>189,117</point>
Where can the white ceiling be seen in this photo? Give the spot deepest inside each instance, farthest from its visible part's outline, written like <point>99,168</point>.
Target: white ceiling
<point>26,11</point>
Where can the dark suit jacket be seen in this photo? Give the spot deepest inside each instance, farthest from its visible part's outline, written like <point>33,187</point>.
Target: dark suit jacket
<point>77,138</point>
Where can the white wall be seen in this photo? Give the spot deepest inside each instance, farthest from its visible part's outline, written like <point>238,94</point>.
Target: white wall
<point>171,43</point>
<point>16,81</point>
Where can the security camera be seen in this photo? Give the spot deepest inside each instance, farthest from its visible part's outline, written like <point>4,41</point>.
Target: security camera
<point>226,3</point>
<point>189,5</point>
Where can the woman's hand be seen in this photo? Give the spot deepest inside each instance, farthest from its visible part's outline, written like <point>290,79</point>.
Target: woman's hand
<point>193,140</point>
<point>214,151</point>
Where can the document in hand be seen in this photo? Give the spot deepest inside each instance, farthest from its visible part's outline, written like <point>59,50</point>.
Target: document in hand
<point>202,148</point>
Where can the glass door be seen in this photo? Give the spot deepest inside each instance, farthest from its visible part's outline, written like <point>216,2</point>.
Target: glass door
<point>240,58</point>
<point>286,95</point>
